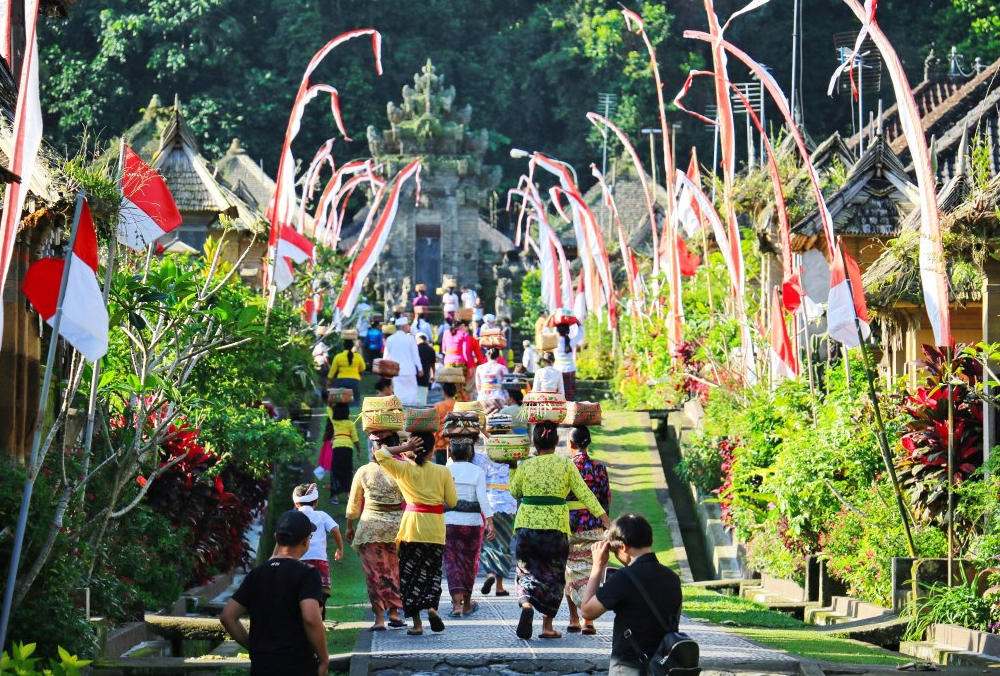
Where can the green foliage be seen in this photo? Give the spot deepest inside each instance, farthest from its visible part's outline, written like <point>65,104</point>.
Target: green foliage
<point>249,438</point>
<point>19,662</point>
<point>962,604</point>
<point>529,305</point>
<point>596,359</point>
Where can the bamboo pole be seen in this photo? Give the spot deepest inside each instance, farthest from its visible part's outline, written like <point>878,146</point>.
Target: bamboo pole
<point>951,467</point>
<point>29,483</point>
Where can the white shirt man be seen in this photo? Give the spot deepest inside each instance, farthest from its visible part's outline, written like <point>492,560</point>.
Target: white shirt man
<point>489,322</point>
<point>401,348</point>
<point>530,359</point>
<point>423,326</point>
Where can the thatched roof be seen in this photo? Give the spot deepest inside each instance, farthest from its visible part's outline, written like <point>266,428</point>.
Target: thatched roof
<point>895,276</point>
<point>244,177</point>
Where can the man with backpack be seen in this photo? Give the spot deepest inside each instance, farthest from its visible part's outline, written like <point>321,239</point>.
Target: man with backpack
<point>645,596</point>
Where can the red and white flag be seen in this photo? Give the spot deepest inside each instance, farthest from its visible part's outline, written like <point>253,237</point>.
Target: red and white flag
<point>367,257</point>
<point>148,209</point>
<point>293,247</point>
<point>688,262</point>
<point>846,302</point>
<point>84,320</point>
<point>784,361</point>
<point>27,133</point>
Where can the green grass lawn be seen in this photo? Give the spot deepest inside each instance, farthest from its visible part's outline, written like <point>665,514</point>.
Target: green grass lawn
<point>621,443</point>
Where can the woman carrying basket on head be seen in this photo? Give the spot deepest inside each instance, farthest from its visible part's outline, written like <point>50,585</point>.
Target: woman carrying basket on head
<point>542,528</point>
<point>584,528</point>
<point>427,489</point>
<point>374,538</point>
<point>346,369</point>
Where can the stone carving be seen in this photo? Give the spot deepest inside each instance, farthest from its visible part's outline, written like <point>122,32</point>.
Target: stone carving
<point>505,294</point>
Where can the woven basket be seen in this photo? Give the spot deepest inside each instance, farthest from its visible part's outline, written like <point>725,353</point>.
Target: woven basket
<point>382,421</point>
<point>450,374</point>
<point>461,424</point>
<point>492,338</point>
<point>548,341</point>
<point>542,407</point>
<point>449,281</point>
<point>376,404</point>
<point>385,367</point>
<point>474,407</point>
<point>514,381</point>
<point>388,328</point>
<point>499,422</point>
<point>349,334</point>
<point>507,447</point>
<point>565,317</point>
<point>340,395</point>
<point>464,314</point>
<point>421,419</point>
<point>583,413</point>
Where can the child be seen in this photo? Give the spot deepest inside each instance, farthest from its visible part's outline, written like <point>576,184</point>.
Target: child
<point>305,497</point>
<point>444,407</point>
<point>343,435</point>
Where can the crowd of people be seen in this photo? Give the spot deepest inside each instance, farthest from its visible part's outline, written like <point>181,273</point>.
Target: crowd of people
<point>433,505</point>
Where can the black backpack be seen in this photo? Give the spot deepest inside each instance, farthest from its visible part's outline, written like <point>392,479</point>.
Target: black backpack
<point>677,655</point>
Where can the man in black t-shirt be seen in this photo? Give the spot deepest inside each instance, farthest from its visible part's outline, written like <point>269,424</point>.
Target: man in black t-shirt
<point>428,360</point>
<point>631,539</point>
<point>283,597</point>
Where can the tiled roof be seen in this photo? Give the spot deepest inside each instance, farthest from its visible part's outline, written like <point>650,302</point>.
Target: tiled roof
<point>632,209</point>
<point>929,95</point>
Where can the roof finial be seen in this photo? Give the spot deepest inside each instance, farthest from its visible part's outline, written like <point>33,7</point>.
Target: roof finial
<point>150,112</point>
<point>963,163</point>
<point>236,148</point>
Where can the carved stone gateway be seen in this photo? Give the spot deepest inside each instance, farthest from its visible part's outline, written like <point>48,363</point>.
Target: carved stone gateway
<point>445,235</point>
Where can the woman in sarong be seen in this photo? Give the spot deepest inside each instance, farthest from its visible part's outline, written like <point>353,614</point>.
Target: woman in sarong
<point>542,528</point>
<point>374,537</point>
<point>584,528</point>
<point>496,558</point>
<point>427,489</point>
<point>489,380</point>
<point>464,526</point>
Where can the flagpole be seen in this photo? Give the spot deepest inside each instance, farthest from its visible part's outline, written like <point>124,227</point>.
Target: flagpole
<point>883,438</point>
<point>809,360</point>
<point>951,469</point>
<point>29,482</point>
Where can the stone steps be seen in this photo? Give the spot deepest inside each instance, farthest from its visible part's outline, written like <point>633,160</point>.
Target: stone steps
<point>939,653</point>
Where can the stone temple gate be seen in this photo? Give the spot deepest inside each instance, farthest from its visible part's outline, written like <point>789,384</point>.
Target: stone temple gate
<point>446,234</point>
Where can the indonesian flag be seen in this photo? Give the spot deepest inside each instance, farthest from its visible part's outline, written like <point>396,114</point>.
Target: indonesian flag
<point>688,213</point>
<point>792,292</point>
<point>84,320</point>
<point>846,302</point>
<point>293,247</point>
<point>27,131</point>
<point>148,209</point>
<point>784,364</point>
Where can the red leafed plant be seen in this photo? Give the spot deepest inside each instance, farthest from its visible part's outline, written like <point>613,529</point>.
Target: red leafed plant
<point>922,456</point>
<point>215,505</point>
<point>693,386</point>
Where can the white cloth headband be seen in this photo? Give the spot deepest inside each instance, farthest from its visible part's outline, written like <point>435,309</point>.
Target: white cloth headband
<point>308,497</point>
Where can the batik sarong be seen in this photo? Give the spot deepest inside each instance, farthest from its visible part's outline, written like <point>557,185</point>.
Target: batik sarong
<point>461,557</point>
<point>420,576</point>
<point>381,565</point>
<point>580,562</point>
<point>496,557</point>
<point>541,568</point>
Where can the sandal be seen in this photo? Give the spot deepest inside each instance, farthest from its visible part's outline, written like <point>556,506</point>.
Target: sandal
<point>473,610</point>
<point>376,627</point>
<point>396,624</point>
<point>487,586</point>
<point>573,629</point>
<point>524,624</point>
<point>589,630</point>
<point>503,593</point>
<point>414,632</point>
<point>437,624</point>
<point>554,634</point>
<point>455,613</point>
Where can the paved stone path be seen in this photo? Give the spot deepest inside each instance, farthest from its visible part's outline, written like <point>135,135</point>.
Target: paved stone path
<point>485,643</point>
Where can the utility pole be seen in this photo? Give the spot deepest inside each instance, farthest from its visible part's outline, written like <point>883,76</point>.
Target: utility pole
<point>651,132</point>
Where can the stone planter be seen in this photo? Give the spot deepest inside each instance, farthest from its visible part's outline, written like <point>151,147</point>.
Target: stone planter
<point>911,576</point>
<point>968,640</point>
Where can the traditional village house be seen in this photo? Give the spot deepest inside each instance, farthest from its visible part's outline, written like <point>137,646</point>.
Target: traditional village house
<point>446,235</point>
<point>163,139</point>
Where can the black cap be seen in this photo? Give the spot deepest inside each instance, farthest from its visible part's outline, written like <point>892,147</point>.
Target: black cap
<point>294,524</point>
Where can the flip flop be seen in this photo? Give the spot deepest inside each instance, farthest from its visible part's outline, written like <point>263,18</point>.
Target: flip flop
<point>524,624</point>
<point>572,629</point>
<point>488,585</point>
<point>437,624</point>
<point>589,630</point>
<point>396,624</point>
<point>553,635</point>
<point>414,632</point>
<point>475,609</point>
<point>503,593</point>
<point>376,628</point>
<point>455,613</point>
